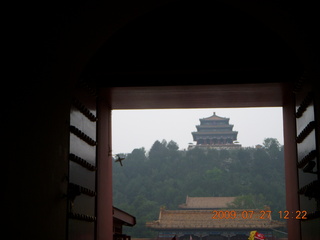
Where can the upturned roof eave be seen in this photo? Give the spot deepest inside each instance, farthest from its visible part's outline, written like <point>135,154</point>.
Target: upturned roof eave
<point>210,119</point>
<point>215,126</point>
<point>215,133</point>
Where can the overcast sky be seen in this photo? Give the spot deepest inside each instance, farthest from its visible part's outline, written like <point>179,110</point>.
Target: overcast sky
<point>141,128</point>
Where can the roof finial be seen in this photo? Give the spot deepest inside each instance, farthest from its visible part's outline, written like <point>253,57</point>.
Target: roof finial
<point>214,113</point>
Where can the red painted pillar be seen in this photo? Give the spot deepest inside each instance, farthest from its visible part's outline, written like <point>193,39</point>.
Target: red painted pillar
<point>290,158</point>
<point>104,229</point>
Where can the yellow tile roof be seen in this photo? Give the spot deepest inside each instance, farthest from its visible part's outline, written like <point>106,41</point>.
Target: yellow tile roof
<point>202,219</point>
<point>207,202</point>
<point>215,117</point>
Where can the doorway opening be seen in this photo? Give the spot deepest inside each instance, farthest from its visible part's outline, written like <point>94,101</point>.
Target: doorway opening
<point>164,167</point>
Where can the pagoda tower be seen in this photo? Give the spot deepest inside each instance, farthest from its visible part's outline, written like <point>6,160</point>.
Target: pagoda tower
<point>215,132</point>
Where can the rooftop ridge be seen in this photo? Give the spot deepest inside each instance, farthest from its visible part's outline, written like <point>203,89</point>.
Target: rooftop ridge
<point>207,202</point>
<point>215,117</point>
<point>203,219</point>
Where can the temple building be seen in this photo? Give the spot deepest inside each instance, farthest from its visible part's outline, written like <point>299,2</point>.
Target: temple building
<point>194,203</point>
<point>208,219</point>
<point>215,132</point>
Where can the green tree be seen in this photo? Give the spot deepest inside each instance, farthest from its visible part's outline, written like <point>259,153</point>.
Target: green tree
<point>172,146</point>
<point>165,176</point>
<point>158,151</point>
<point>139,155</point>
<point>214,174</point>
<point>271,143</point>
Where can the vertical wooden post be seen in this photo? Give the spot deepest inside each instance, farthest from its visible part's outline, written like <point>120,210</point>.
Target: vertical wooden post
<point>104,229</point>
<point>290,158</point>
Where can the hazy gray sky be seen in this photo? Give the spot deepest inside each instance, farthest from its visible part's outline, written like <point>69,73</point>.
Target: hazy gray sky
<point>141,128</point>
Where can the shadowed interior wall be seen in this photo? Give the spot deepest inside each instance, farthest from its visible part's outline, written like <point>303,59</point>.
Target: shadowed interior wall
<point>57,43</point>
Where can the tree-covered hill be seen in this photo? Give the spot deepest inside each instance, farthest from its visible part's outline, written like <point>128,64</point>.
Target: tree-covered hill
<point>164,176</point>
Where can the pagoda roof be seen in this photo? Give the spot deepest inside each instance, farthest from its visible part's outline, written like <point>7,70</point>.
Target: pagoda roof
<point>202,219</point>
<point>214,117</point>
<point>207,202</point>
<point>215,126</point>
<point>215,133</point>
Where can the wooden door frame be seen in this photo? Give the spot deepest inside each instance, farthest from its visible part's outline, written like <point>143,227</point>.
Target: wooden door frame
<point>150,97</point>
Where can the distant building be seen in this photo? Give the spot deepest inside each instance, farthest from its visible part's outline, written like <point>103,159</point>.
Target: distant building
<point>215,132</point>
<point>207,202</point>
<point>210,219</point>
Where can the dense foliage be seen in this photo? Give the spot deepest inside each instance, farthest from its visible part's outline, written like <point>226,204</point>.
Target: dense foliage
<point>165,176</point>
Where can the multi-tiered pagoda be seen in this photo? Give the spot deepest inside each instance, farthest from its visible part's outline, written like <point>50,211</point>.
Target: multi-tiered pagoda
<point>215,132</point>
